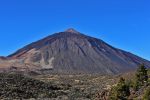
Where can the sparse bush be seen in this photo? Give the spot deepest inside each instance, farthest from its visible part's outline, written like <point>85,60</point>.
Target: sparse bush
<point>141,75</point>
<point>147,94</point>
<point>121,91</point>
<point>17,86</point>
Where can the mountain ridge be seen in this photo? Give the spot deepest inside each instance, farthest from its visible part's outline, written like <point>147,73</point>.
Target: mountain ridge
<point>73,52</point>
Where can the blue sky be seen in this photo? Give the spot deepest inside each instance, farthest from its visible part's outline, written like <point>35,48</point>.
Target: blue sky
<point>124,24</point>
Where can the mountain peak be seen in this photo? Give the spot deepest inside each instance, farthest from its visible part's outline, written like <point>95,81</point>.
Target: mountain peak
<point>69,52</point>
<point>71,30</point>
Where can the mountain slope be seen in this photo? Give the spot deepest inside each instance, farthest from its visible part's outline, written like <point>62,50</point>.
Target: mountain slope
<point>73,52</point>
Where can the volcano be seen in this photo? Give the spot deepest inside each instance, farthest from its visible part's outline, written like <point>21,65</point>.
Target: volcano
<point>73,52</point>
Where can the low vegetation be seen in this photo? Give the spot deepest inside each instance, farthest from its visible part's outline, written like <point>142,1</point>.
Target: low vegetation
<point>17,86</point>
<point>76,87</point>
<point>137,88</point>
<point>120,91</point>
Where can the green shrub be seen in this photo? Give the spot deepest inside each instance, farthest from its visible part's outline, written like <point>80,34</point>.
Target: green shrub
<point>141,75</point>
<point>121,91</point>
<point>147,94</point>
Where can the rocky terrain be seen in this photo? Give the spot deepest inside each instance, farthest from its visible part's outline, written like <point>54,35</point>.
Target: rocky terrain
<point>18,86</point>
<point>71,52</point>
<point>53,87</point>
<point>67,87</point>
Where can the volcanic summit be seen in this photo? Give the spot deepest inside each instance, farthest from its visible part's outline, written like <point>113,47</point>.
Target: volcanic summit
<point>73,52</point>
